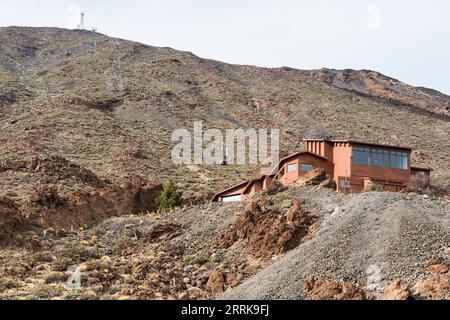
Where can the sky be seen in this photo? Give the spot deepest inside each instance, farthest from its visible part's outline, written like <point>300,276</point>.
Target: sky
<point>405,39</point>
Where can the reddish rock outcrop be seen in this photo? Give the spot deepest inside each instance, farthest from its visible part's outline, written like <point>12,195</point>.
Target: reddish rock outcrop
<point>48,209</point>
<point>436,286</point>
<point>10,220</point>
<point>436,266</point>
<point>396,290</point>
<point>216,282</point>
<point>269,230</point>
<point>316,177</point>
<point>321,289</point>
<point>46,195</point>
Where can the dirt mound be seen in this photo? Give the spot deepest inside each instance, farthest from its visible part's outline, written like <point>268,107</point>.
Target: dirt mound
<point>269,230</point>
<point>366,239</point>
<point>48,209</point>
<point>10,220</point>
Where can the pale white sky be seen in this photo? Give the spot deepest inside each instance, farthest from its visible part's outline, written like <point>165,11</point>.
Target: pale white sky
<point>405,39</point>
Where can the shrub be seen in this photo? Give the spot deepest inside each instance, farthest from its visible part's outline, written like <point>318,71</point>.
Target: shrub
<point>56,277</point>
<point>6,283</point>
<point>123,243</point>
<point>61,264</point>
<point>375,187</point>
<point>42,257</point>
<point>193,259</point>
<point>169,198</point>
<point>79,254</point>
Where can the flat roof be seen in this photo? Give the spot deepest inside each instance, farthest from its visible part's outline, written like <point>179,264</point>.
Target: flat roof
<point>362,143</point>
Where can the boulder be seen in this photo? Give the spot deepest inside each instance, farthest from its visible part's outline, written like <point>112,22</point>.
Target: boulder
<point>396,290</point>
<point>316,177</point>
<point>216,282</point>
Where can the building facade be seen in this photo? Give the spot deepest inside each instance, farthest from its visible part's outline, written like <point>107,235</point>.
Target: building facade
<point>354,166</point>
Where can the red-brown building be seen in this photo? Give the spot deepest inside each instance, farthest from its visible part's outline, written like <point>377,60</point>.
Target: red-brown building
<point>354,166</point>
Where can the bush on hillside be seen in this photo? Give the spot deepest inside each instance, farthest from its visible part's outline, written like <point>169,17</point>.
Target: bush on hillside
<point>169,198</point>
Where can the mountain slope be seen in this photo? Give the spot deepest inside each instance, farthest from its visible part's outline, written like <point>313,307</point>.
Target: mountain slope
<point>58,97</point>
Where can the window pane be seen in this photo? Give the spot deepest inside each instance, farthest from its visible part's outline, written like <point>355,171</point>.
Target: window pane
<point>361,155</point>
<point>405,161</point>
<point>292,167</point>
<point>399,160</point>
<point>305,167</point>
<point>385,158</point>
<point>380,158</point>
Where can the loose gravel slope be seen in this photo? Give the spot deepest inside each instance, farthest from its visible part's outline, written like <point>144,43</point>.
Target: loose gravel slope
<point>361,237</point>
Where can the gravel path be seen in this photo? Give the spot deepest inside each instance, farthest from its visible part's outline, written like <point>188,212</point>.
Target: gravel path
<point>366,238</point>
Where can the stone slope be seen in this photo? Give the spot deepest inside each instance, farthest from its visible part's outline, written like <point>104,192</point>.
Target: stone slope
<point>368,239</point>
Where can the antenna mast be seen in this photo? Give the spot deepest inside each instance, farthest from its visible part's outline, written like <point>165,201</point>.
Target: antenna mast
<point>117,76</point>
<point>81,25</point>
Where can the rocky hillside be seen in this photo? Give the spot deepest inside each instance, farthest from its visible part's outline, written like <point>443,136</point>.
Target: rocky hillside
<point>299,243</point>
<point>58,98</point>
<point>370,245</point>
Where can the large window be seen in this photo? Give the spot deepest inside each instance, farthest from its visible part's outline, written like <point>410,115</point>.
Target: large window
<point>361,155</point>
<point>306,167</point>
<point>291,167</point>
<point>380,157</point>
<point>399,160</point>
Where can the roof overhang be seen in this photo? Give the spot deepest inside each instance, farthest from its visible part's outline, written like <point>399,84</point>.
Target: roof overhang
<point>241,184</point>
<point>279,165</point>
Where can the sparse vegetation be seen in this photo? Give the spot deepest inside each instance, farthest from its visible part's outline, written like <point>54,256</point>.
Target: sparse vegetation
<point>8,283</point>
<point>61,264</point>
<point>79,254</point>
<point>193,259</point>
<point>56,277</point>
<point>42,257</point>
<point>123,243</point>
